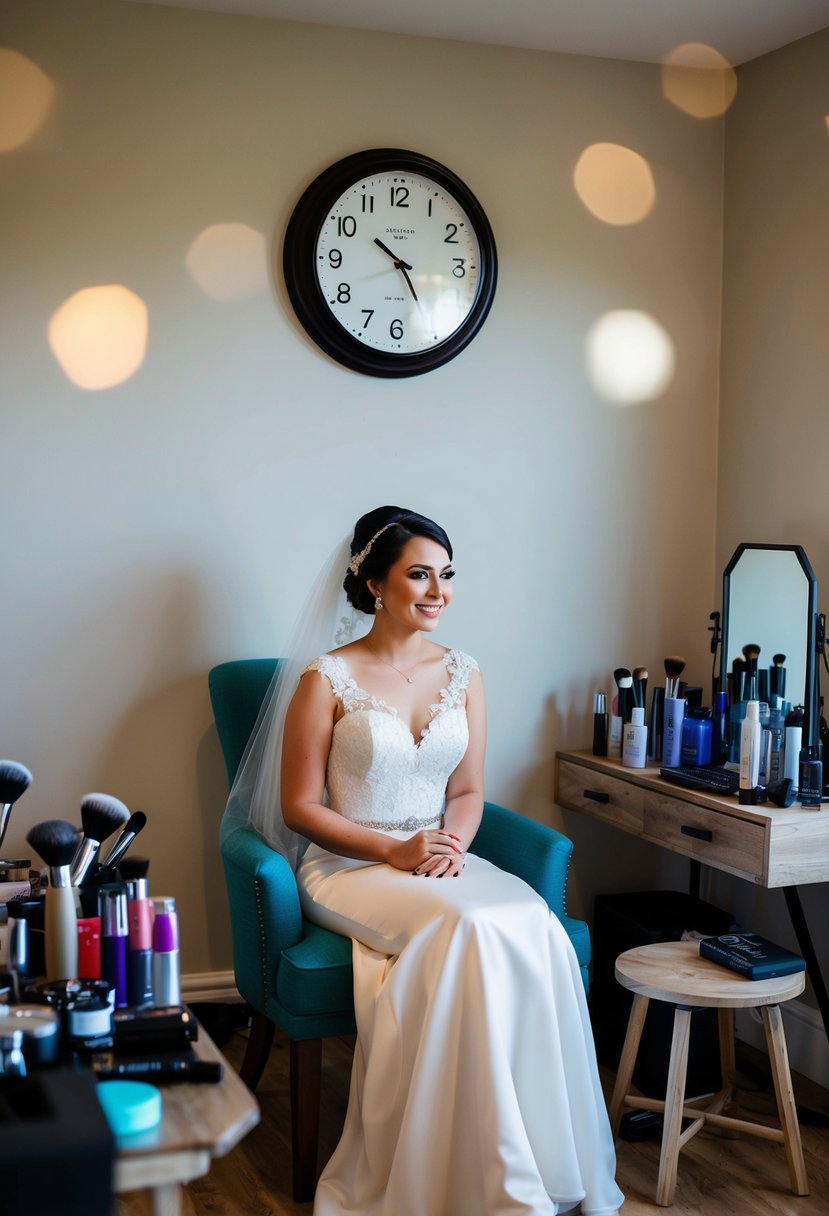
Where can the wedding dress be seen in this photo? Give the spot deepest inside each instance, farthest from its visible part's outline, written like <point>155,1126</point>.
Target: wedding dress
<point>474,1089</point>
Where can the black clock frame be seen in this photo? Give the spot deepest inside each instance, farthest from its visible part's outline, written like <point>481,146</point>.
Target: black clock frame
<point>299,266</point>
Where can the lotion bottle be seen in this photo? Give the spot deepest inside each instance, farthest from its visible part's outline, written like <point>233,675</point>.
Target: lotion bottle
<point>635,739</point>
<point>750,754</point>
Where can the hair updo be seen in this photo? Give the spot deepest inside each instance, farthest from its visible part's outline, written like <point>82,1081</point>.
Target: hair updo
<point>386,549</point>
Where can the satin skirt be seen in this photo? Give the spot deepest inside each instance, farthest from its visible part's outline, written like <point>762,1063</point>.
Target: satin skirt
<point>474,1090</point>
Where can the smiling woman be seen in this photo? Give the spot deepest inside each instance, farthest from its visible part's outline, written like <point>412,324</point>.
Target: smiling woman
<point>473,1039</point>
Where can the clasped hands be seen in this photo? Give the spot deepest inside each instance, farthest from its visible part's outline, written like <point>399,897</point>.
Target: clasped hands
<point>430,854</point>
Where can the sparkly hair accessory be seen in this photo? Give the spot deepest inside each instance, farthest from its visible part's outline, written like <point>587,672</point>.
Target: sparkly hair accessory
<point>358,558</point>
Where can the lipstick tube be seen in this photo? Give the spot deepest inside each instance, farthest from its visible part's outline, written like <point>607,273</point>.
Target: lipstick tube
<point>114,942</point>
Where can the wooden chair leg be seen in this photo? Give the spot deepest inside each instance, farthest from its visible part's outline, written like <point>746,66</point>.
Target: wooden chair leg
<point>626,1064</point>
<point>257,1051</point>
<point>674,1100</point>
<point>781,1075</point>
<point>306,1076</point>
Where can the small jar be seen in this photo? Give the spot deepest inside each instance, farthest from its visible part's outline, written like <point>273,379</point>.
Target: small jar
<point>697,737</point>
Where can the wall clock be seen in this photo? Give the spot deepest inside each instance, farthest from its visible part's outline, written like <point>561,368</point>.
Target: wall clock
<point>390,262</point>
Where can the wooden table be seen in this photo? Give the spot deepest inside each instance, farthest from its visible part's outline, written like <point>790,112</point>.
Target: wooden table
<point>767,845</point>
<point>199,1122</point>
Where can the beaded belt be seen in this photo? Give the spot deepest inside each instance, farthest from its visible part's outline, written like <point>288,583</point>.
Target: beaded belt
<point>412,824</point>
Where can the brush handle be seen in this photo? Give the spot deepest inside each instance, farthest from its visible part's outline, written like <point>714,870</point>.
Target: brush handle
<point>60,923</point>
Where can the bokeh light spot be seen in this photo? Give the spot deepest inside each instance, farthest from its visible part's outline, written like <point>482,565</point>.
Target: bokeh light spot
<point>630,358</point>
<point>26,96</point>
<point>229,261</point>
<point>99,335</point>
<point>698,80</point>
<point>614,183</point>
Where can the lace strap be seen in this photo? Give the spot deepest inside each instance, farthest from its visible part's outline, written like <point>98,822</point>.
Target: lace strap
<point>460,667</point>
<point>334,670</point>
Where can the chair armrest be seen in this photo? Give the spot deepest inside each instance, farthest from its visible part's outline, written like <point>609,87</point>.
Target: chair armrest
<point>265,913</point>
<point>532,851</point>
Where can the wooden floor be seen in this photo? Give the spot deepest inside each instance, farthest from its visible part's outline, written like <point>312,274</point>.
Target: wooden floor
<point>717,1176</point>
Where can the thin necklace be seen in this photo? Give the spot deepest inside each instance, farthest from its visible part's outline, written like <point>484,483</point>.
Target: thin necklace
<point>386,663</point>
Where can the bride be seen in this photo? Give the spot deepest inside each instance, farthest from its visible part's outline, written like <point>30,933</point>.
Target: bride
<point>474,1089</point>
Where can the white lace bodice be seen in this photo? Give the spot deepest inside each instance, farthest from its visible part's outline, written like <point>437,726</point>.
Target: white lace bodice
<point>378,774</point>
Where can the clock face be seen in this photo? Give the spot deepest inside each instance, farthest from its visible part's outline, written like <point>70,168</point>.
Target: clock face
<point>390,263</point>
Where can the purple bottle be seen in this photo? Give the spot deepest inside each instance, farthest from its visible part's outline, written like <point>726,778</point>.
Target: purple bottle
<point>113,905</point>
<point>166,971</point>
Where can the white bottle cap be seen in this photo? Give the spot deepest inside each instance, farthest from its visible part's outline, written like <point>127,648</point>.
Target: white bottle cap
<point>637,716</point>
<point>753,711</point>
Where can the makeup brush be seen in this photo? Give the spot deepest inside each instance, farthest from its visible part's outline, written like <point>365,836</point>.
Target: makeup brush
<point>135,824</point>
<point>640,686</point>
<point>15,779</point>
<point>624,695</point>
<point>751,653</point>
<point>776,680</point>
<point>101,814</point>
<point>674,667</point>
<point>55,841</point>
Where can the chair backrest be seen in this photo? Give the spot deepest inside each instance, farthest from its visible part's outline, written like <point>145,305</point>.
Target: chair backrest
<point>237,690</point>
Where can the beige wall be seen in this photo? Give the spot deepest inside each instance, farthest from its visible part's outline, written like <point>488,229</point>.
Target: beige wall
<point>161,526</point>
<point>772,484</point>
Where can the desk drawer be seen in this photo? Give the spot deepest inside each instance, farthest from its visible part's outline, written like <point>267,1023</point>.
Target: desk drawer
<point>712,837</point>
<point>600,795</point>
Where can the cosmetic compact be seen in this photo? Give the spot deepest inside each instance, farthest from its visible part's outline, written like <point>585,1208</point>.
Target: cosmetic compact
<point>40,1033</point>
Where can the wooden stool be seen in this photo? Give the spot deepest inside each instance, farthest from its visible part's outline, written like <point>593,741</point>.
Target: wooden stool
<point>674,972</point>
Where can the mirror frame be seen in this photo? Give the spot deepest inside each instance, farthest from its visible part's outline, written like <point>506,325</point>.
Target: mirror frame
<point>810,693</point>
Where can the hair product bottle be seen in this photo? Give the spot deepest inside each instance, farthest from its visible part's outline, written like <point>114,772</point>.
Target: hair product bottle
<point>750,754</point>
<point>600,724</point>
<point>635,740</point>
<point>793,736</point>
<point>674,716</point>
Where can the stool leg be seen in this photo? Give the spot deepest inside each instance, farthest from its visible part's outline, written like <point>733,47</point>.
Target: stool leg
<point>728,1059</point>
<point>632,1036</point>
<point>674,1100</point>
<point>781,1075</point>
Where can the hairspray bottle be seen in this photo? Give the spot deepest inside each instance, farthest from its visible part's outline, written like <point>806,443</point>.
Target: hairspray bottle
<point>600,724</point>
<point>750,735</point>
<point>113,906</point>
<point>166,970</point>
<point>139,943</point>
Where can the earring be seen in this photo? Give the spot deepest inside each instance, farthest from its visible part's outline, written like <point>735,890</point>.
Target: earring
<point>378,603</point>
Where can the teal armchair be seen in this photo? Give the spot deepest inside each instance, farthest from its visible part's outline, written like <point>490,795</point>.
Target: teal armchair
<point>296,975</point>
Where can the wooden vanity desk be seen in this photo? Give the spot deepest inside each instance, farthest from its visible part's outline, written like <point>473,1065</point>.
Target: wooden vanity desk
<point>768,845</point>
<point>771,846</point>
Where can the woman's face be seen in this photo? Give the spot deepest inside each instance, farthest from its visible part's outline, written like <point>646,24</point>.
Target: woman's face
<point>418,586</point>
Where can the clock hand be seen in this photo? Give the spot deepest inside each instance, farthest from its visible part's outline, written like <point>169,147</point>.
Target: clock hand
<point>402,267</point>
<point>399,264</point>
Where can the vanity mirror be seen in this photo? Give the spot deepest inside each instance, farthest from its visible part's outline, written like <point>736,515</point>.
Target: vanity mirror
<point>770,598</point>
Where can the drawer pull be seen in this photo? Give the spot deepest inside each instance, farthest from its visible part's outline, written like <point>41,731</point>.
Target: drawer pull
<point>597,795</point>
<point>698,833</point>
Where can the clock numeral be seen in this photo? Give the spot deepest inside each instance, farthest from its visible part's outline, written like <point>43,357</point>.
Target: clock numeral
<point>346,225</point>
<point>429,208</point>
<point>459,269</point>
<point>343,293</point>
<point>368,313</point>
<point>399,196</point>
<point>449,239</point>
<point>367,202</point>
<point>396,330</point>
<point>335,257</point>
